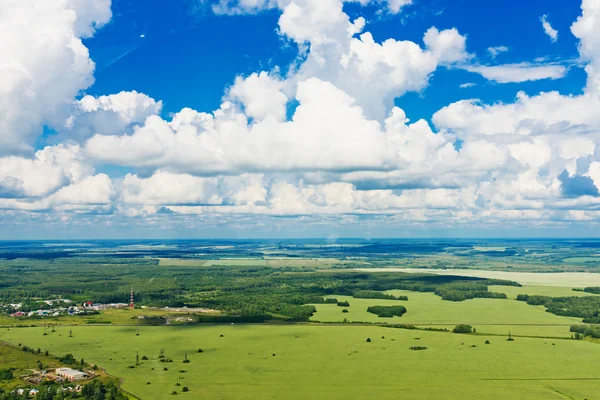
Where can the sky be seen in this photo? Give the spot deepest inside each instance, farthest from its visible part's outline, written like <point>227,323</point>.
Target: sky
<point>299,118</point>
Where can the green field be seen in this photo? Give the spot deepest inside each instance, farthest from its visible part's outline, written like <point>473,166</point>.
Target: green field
<point>496,316</point>
<point>553,291</point>
<point>329,362</point>
<point>236,262</point>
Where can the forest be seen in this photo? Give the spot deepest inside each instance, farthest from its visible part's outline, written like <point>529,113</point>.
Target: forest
<point>254,292</point>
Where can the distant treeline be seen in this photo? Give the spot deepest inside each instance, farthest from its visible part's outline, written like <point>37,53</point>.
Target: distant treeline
<point>580,307</point>
<point>372,294</point>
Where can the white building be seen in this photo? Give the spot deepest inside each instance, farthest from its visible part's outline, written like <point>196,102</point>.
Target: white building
<point>71,374</point>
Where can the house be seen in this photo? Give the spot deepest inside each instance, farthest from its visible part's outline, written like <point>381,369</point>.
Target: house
<point>33,392</point>
<point>71,374</point>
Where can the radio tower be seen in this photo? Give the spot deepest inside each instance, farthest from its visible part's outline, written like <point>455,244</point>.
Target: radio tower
<point>131,300</point>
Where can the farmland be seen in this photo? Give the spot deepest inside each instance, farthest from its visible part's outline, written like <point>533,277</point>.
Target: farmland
<point>291,320</point>
<point>258,361</point>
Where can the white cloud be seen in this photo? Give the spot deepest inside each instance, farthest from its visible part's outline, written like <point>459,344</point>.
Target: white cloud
<point>346,150</point>
<point>587,29</point>
<point>551,32</point>
<point>521,72</point>
<point>109,115</point>
<point>395,6</point>
<point>43,63</point>
<point>261,95</point>
<point>467,85</point>
<point>494,51</point>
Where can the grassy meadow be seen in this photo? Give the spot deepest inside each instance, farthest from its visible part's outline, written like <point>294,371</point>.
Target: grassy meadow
<point>495,316</point>
<point>328,362</point>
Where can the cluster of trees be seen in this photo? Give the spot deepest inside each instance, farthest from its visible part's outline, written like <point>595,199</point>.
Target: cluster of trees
<point>462,328</point>
<point>387,311</point>
<point>592,289</point>
<point>343,304</point>
<point>373,294</point>
<point>580,307</point>
<point>586,330</point>
<point>95,390</point>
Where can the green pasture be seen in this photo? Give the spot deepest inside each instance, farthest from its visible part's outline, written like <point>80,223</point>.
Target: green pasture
<point>496,316</point>
<point>328,362</point>
<point>552,291</point>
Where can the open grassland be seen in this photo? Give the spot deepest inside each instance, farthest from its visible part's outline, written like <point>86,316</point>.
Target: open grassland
<point>278,262</point>
<point>178,262</point>
<point>563,279</point>
<point>553,291</point>
<point>236,262</point>
<point>225,262</point>
<point>329,362</point>
<point>496,316</point>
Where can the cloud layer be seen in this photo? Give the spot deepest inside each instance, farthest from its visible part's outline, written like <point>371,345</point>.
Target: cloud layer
<point>343,150</point>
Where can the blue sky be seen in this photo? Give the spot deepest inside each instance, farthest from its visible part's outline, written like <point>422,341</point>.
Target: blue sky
<point>234,118</point>
<point>189,55</point>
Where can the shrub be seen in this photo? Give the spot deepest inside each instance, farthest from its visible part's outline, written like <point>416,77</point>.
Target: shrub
<point>186,361</point>
<point>185,389</point>
<point>418,348</point>
<point>462,328</point>
<point>200,351</point>
<point>487,342</point>
<point>345,310</point>
<point>144,358</point>
<point>343,304</point>
<point>368,340</point>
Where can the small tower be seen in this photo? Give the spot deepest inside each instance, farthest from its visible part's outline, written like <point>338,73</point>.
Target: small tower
<point>131,299</point>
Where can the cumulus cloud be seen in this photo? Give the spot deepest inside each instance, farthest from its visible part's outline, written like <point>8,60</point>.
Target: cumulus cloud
<point>261,96</point>
<point>345,151</point>
<point>43,63</point>
<point>109,115</point>
<point>548,29</point>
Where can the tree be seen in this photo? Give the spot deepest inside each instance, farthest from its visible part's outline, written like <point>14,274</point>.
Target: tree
<point>463,328</point>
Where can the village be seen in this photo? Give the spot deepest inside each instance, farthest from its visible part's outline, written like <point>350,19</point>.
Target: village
<point>57,307</point>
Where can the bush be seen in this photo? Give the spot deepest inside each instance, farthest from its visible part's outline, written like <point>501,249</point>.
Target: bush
<point>185,389</point>
<point>186,361</point>
<point>487,342</point>
<point>462,328</point>
<point>368,340</point>
<point>344,310</point>
<point>200,351</point>
<point>418,348</point>
<point>144,358</point>
<point>343,304</point>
